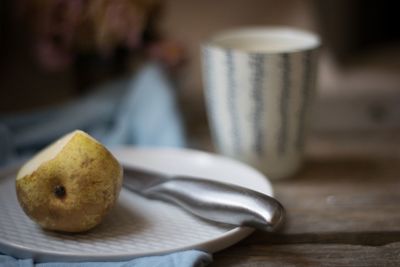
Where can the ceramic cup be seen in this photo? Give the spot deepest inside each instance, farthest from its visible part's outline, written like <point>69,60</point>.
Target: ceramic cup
<point>259,84</point>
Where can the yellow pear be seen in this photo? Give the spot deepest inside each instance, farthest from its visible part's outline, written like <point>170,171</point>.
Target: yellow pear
<point>70,185</point>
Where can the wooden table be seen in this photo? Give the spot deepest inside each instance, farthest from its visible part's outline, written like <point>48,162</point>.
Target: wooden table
<point>343,208</point>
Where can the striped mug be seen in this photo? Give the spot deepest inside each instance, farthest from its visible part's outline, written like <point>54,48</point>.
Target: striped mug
<point>259,85</point>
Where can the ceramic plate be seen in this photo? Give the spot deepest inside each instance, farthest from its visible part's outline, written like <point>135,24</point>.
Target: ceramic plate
<point>136,226</point>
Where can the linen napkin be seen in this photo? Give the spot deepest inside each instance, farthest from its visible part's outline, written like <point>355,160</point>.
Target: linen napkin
<point>139,110</point>
<point>186,258</point>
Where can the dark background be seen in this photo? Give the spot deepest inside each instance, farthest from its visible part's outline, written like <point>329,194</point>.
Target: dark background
<point>359,65</point>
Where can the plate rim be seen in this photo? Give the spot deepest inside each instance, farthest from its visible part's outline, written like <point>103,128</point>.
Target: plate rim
<point>230,237</point>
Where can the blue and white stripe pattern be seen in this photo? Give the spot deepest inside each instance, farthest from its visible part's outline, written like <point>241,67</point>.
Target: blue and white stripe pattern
<point>256,64</point>
<point>258,103</point>
<point>284,104</point>
<point>232,101</point>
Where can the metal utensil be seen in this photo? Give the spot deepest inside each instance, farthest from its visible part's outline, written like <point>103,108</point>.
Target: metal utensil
<point>211,200</point>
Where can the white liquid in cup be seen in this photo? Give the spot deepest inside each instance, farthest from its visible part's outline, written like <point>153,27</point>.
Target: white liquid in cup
<point>266,40</point>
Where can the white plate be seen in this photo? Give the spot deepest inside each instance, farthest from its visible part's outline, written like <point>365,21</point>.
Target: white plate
<point>137,226</point>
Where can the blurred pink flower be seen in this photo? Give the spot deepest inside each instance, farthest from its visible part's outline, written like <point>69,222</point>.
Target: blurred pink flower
<point>63,28</point>
<point>51,56</point>
<point>168,51</point>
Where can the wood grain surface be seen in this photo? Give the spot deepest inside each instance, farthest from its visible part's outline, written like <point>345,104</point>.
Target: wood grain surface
<point>343,209</point>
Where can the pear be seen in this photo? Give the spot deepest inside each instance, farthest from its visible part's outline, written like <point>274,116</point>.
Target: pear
<point>70,185</point>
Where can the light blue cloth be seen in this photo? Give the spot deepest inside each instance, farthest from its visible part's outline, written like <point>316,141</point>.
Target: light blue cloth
<point>186,258</point>
<point>140,110</point>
